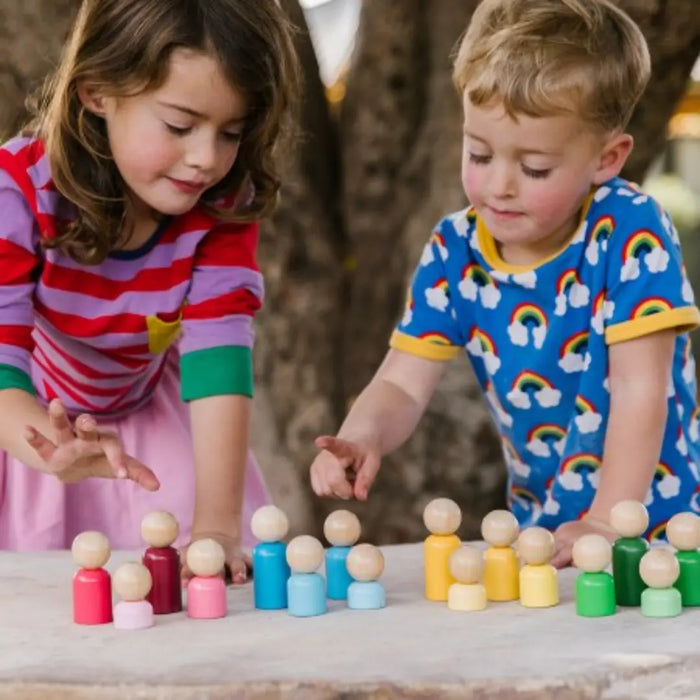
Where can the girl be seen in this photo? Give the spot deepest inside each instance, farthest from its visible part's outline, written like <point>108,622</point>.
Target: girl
<point>128,280</point>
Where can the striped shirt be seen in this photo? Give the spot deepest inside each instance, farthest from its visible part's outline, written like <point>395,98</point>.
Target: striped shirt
<point>96,336</point>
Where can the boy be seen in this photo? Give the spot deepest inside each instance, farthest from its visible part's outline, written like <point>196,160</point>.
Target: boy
<point>563,282</point>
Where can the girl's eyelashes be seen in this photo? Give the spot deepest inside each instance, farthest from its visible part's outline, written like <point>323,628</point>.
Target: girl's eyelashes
<point>177,130</point>
<point>231,136</point>
<point>479,159</point>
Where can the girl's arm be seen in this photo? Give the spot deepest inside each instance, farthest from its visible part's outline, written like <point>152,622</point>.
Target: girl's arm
<point>219,427</point>
<point>19,409</point>
<point>640,372</point>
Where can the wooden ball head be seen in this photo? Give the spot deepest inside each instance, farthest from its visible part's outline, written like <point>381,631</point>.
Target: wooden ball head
<point>467,564</point>
<point>159,529</point>
<point>205,557</point>
<point>535,546</point>
<point>132,581</point>
<point>659,568</point>
<point>365,562</point>
<point>629,518</point>
<point>91,550</point>
<point>304,554</point>
<point>592,553</point>
<point>269,524</point>
<point>442,516</point>
<point>683,531</point>
<point>342,528</point>
<point>499,528</point>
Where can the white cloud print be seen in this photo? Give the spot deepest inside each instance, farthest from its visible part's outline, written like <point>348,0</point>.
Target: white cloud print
<point>487,294</point>
<point>503,417</point>
<point>656,260</point>
<point>539,448</point>
<point>427,256</point>
<point>526,279</point>
<point>546,397</point>
<point>630,270</point>
<point>519,334</point>
<point>588,422</point>
<point>551,507</point>
<point>491,362</point>
<point>603,314</point>
<point>669,486</point>
<point>681,444</point>
<point>574,362</point>
<point>436,298</point>
<point>570,481</point>
<point>576,295</point>
<point>407,316</point>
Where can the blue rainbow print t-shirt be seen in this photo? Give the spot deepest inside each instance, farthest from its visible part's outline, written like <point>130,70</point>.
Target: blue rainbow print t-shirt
<point>538,340</point>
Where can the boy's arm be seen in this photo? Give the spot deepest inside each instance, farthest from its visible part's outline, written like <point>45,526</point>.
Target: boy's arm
<point>220,427</point>
<point>640,372</point>
<point>381,419</point>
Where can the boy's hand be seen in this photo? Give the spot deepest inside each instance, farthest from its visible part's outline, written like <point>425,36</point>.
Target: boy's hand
<point>237,561</point>
<point>80,451</point>
<point>344,469</point>
<point>567,533</point>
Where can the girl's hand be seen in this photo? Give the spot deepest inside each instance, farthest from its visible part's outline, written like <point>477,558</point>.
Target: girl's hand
<point>80,451</point>
<point>344,469</point>
<point>567,533</point>
<point>238,562</point>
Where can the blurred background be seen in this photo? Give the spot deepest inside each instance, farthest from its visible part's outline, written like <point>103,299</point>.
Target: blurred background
<point>375,167</point>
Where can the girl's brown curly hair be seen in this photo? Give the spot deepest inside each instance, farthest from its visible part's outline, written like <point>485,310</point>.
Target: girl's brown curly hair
<point>123,47</point>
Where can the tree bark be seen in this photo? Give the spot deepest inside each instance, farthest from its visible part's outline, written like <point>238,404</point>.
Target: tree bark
<point>360,198</point>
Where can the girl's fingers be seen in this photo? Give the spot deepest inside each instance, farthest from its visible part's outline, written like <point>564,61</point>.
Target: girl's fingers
<point>86,428</point>
<point>142,475</point>
<point>60,423</point>
<point>239,571</point>
<point>42,445</point>
<point>341,449</point>
<point>115,455</point>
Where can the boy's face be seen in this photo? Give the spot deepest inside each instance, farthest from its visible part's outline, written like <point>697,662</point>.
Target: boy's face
<point>173,143</point>
<point>527,178</point>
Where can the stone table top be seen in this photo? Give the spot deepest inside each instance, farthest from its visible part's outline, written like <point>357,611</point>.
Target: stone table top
<point>412,648</point>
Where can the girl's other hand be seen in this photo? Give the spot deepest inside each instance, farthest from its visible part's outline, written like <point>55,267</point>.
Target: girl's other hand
<point>238,562</point>
<point>80,451</point>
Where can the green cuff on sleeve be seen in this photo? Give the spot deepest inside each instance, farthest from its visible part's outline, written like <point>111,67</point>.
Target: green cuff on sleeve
<point>13,378</point>
<point>216,372</point>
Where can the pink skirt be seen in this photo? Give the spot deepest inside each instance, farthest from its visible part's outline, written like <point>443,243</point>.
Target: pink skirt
<point>38,512</point>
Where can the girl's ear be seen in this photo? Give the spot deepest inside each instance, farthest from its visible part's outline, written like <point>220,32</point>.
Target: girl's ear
<point>92,98</point>
<point>613,156</point>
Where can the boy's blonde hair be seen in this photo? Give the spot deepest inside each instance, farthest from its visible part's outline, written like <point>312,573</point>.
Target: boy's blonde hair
<point>544,57</point>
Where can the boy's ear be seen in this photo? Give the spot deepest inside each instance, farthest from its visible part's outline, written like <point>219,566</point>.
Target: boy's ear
<point>91,97</point>
<point>613,156</point>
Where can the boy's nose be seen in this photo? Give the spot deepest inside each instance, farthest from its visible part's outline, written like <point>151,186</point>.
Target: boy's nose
<point>502,182</point>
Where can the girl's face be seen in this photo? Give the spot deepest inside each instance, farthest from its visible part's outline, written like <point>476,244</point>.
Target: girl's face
<point>173,143</point>
<point>528,178</point>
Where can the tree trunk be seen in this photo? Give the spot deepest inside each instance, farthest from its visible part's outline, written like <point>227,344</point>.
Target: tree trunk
<point>361,195</point>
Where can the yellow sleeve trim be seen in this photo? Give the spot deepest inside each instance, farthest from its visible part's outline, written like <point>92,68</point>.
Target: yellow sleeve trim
<point>427,349</point>
<point>682,319</point>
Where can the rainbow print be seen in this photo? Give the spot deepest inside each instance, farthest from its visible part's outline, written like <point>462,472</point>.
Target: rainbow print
<point>695,415</point>
<point>576,344</point>
<point>435,337</point>
<point>658,532</point>
<point>602,228</point>
<point>662,471</point>
<point>695,500</point>
<point>641,242</point>
<point>583,462</point>
<point>566,279</point>
<point>471,215</point>
<point>478,275</point>
<point>438,238</point>
<point>599,303</point>
<point>487,345</point>
<point>528,314</point>
<point>530,380</point>
<point>525,499</point>
<point>441,284</point>
<point>584,405</point>
<point>511,452</point>
<point>545,432</point>
<point>652,305</point>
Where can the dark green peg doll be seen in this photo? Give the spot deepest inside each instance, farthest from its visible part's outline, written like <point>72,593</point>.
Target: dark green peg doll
<point>683,532</point>
<point>629,519</point>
